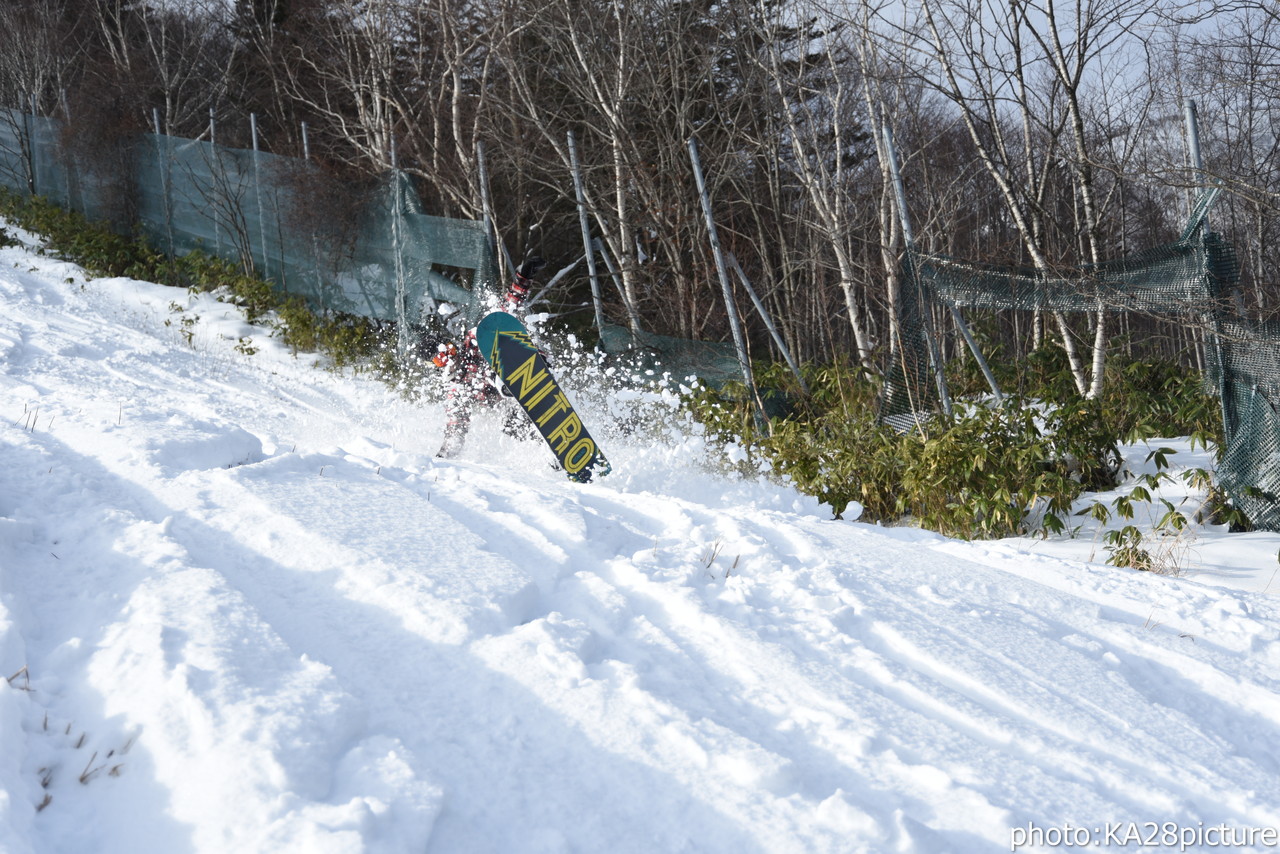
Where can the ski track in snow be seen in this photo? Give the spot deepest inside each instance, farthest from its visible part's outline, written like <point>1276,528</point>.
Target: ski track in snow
<point>258,616</point>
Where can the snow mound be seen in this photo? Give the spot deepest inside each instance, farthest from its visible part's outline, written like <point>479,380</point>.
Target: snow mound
<point>180,444</point>
<point>255,614</point>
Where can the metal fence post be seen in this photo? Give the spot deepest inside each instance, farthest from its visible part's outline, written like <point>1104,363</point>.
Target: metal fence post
<point>68,164</point>
<point>1193,147</point>
<point>909,240</point>
<point>215,162</point>
<point>257,192</point>
<point>30,122</point>
<point>586,234</point>
<point>397,250</point>
<point>768,321</point>
<point>1211,316</point>
<point>162,163</point>
<point>735,326</point>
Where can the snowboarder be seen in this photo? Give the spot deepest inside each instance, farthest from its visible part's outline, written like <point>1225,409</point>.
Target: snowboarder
<point>471,380</point>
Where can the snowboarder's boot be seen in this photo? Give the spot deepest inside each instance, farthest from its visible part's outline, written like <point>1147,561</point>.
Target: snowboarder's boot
<point>455,431</point>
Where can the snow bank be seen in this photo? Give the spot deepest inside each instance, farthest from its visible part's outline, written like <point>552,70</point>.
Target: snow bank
<point>16,793</point>
<point>258,616</point>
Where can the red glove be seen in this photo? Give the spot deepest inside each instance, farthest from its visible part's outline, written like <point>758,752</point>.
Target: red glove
<point>445,355</point>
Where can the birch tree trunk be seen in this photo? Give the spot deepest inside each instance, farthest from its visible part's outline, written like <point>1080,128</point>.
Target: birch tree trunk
<point>821,169</point>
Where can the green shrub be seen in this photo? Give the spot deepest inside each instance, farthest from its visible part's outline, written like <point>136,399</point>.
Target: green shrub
<point>93,246</point>
<point>986,471</point>
<point>347,339</point>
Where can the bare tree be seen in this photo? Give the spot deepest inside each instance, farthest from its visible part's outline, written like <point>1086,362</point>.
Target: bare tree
<point>346,74</point>
<point>39,53</point>
<point>822,121</point>
<point>176,55</point>
<point>1023,67</point>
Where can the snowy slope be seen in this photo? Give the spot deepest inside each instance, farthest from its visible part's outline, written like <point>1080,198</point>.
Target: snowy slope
<point>256,615</point>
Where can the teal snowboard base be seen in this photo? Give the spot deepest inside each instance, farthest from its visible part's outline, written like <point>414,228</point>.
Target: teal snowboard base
<point>505,344</point>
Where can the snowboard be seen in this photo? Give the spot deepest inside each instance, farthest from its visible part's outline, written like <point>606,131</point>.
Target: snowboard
<point>505,343</point>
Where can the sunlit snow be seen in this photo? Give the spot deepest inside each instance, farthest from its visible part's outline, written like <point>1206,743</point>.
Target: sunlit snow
<point>243,609</point>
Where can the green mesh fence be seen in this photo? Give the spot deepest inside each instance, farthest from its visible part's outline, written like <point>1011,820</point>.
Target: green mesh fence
<point>1186,279</point>
<point>1168,279</point>
<point>376,255</point>
<point>712,363</point>
<point>1250,381</point>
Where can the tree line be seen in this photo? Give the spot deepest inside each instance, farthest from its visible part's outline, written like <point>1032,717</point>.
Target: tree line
<point>1032,132</point>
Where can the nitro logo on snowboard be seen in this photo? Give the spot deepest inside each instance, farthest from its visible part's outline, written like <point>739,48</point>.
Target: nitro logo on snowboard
<point>525,373</point>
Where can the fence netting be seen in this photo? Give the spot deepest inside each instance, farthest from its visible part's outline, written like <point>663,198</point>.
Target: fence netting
<point>370,251</point>
<point>1189,279</point>
<point>712,363</point>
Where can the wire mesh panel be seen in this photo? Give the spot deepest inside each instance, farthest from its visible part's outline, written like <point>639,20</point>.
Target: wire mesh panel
<point>14,164</point>
<point>1250,465</point>
<point>713,363</point>
<point>402,244</point>
<point>1169,279</point>
<point>382,257</point>
<point>1249,469</point>
<point>1188,278</point>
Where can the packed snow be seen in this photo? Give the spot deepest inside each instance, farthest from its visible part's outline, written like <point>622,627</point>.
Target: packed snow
<point>244,609</point>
